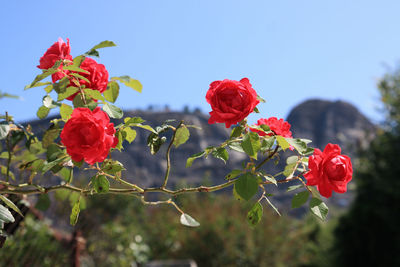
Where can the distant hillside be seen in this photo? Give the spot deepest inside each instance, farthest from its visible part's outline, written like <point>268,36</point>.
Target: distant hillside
<point>326,122</point>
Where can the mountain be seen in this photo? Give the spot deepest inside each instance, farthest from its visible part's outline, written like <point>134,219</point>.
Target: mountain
<point>336,122</point>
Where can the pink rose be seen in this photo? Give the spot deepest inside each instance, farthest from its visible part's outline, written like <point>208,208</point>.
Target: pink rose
<point>231,101</point>
<point>329,170</point>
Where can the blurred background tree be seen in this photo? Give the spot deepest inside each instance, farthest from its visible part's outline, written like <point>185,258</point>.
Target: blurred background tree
<point>369,234</point>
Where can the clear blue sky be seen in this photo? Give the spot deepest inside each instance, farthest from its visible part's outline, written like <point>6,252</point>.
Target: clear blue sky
<point>290,50</point>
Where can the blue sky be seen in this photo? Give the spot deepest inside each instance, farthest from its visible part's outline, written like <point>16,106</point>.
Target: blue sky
<point>290,50</point>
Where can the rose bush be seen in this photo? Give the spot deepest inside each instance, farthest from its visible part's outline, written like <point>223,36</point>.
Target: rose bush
<point>89,135</point>
<point>231,101</point>
<point>329,170</point>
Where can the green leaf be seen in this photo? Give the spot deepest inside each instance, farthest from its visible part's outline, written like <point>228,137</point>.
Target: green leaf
<point>299,199</point>
<point>255,214</point>
<point>319,208</point>
<point>289,169</point>
<point>236,132</point>
<point>66,111</point>
<point>283,143</point>
<point>5,215</point>
<point>298,144</point>
<point>42,76</point>
<point>49,137</point>
<point>251,144</point>
<point>187,220</point>
<point>112,167</point>
<point>69,91</point>
<point>53,151</point>
<point>112,92</point>
<point>4,130</point>
<point>314,192</point>
<point>49,88</point>
<point>103,45</point>
<point>130,134</point>
<point>190,160</point>
<point>113,111</point>
<point>267,144</point>
<point>292,160</point>
<point>237,146</point>
<point>73,218</point>
<point>78,60</point>
<point>271,179</point>
<point>36,85</point>
<point>61,85</point>
<point>134,120</point>
<point>262,100</point>
<point>233,174</point>
<point>11,205</point>
<point>294,187</point>
<point>101,184</point>
<point>42,112</point>
<point>94,94</point>
<point>43,202</point>
<point>128,81</point>
<point>246,186</point>
<point>220,153</point>
<point>49,165</point>
<point>146,127</point>
<point>181,136</point>
<point>80,77</point>
<point>66,174</point>
<point>75,68</point>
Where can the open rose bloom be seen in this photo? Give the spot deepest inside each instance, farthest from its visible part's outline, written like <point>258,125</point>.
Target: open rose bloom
<point>329,170</point>
<point>278,127</point>
<point>231,101</point>
<point>58,51</point>
<point>89,135</point>
<point>97,76</point>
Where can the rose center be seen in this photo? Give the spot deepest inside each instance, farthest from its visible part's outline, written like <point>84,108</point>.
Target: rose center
<point>336,168</point>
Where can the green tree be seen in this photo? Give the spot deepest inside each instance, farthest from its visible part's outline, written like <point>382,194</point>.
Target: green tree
<point>369,234</point>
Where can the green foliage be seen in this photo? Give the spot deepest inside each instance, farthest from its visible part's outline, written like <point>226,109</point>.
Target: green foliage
<point>246,186</point>
<point>224,239</point>
<point>33,244</point>
<point>181,136</point>
<point>251,144</point>
<point>255,214</point>
<point>187,220</point>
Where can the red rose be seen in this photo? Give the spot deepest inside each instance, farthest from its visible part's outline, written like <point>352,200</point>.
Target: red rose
<point>329,170</point>
<point>278,127</point>
<point>97,76</point>
<point>59,50</point>
<point>231,101</point>
<point>88,135</point>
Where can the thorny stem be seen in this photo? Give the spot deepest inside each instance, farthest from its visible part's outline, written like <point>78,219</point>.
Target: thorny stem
<point>9,152</point>
<point>270,156</point>
<point>168,157</point>
<point>169,201</point>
